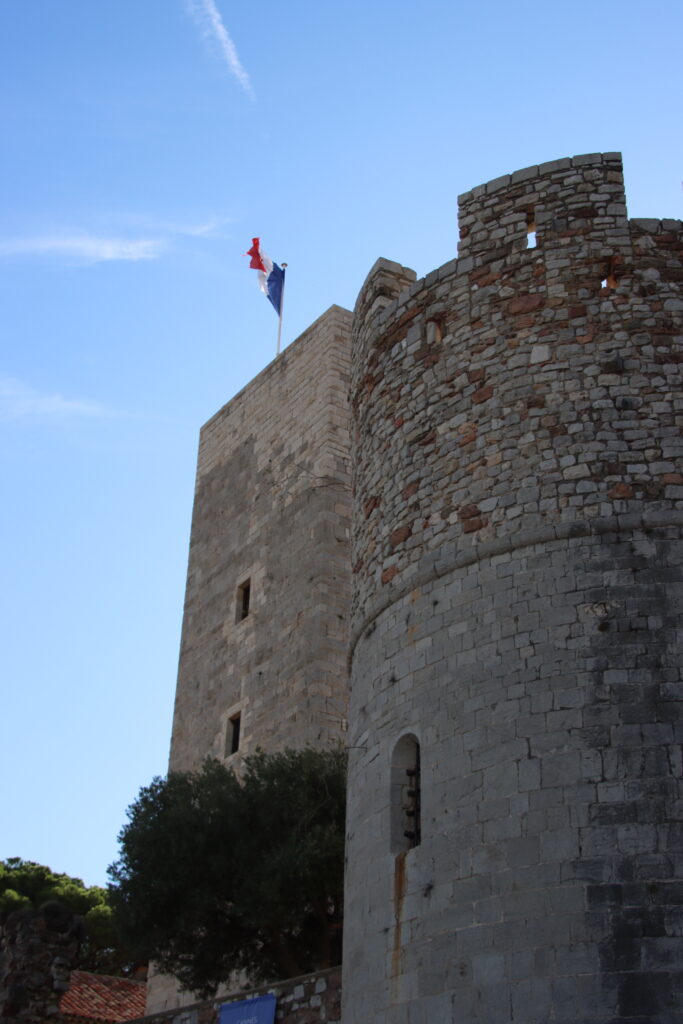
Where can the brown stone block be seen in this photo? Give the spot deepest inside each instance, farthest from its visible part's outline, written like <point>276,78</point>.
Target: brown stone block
<point>368,383</point>
<point>400,534</point>
<point>621,490</point>
<point>370,505</point>
<point>468,512</point>
<point>526,303</point>
<point>482,395</point>
<point>468,438</point>
<point>483,276</point>
<point>388,574</point>
<point>662,358</point>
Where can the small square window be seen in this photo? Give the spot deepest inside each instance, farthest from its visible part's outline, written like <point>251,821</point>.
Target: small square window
<point>232,735</point>
<point>243,599</point>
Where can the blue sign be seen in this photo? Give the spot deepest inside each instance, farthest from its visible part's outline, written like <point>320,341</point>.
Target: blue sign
<point>260,1010</point>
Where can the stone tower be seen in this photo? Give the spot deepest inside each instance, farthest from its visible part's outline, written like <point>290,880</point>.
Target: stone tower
<point>263,657</point>
<point>265,626</point>
<point>515,821</point>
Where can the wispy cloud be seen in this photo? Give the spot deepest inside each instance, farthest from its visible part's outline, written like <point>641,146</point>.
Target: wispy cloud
<point>18,402</point>
<point>86,247</point>
<point>206,227</point>
<point>209,20</point>
<point>83,248</point>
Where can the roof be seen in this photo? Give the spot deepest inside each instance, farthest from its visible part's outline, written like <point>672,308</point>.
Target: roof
<point>100,997</point>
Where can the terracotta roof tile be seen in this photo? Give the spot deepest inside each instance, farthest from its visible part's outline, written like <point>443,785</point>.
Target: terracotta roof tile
<point>99,997</point>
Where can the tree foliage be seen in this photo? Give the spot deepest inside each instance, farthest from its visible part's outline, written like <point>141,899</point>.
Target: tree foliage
<point>25,884</point>
<point>218,874</point>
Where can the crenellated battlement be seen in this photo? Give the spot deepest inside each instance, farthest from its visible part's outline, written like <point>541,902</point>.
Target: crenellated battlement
<point>562,202</point>
<point>575,208</point>
<point>508,355</point>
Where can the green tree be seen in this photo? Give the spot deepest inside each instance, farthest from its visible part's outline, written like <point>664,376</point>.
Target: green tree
<point>218,874</point>
<point>23,883</point>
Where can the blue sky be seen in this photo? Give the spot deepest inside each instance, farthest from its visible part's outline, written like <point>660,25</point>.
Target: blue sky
<point>143,145</point>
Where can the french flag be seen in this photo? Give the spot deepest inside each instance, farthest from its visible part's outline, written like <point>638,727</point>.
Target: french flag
<point>271,277</point>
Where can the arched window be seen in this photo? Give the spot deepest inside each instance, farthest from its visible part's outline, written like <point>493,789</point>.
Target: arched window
<point>405,794</point>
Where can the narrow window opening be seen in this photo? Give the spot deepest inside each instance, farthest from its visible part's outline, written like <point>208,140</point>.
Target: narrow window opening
<point>530,231</point>
<point>411,806</point>
<point>243,599</point>
<point>406,828</point>
<point>434,330</point>
<point>610,279</point>
<point>232,736</point>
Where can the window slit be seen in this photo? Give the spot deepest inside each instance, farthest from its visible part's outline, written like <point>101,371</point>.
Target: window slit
<point>411,806</point>
<point>243,600</point>
<point>406,798</point>
<point>610,279</point>
<point>232,736</point>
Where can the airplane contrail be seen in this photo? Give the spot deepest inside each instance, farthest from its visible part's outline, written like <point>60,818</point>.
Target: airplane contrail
<point>209,19</point>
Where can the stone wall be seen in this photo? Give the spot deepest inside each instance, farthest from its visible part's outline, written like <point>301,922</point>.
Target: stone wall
<point>518,590</point>
<point>37,951</point>
<point>310,999</point>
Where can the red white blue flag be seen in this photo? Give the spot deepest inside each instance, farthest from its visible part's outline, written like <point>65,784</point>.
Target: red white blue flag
<point>271,277</point>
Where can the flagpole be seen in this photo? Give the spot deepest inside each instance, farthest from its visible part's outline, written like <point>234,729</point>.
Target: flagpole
<point>282,306</point>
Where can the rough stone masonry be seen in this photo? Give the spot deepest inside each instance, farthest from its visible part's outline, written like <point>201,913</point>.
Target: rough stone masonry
<point>38,948</point>
<point>265,628</point>
<point>516,628</point>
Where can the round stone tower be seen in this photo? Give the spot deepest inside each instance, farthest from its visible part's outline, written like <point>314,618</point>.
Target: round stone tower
<point>515,838</point>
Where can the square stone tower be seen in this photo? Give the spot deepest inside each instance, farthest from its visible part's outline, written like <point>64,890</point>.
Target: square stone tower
<point>265,627</point>
<point>263,656</point>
